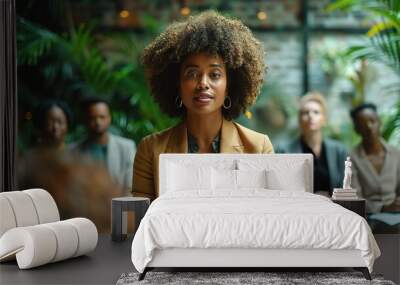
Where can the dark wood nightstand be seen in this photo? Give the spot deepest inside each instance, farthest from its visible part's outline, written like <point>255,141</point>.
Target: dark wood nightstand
<point>357,206</point>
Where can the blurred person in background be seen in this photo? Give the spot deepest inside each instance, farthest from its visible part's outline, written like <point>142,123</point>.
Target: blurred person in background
<point>207,71</point>
<point>80,188</point>
<point>51,121</point>
<point>329,155</point>
<point>114,152</point>
<point>376,170</point>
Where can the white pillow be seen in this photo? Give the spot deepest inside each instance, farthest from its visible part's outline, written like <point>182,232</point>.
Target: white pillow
<point>278,180</point>
<point>224,179</point>
<point>228,179</point>
<point>188,177</point>
<point>251,178</point>
<point>282,174</point>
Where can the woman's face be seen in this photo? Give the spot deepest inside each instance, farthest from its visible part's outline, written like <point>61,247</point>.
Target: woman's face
<point>56,126</point>
<point>367,124</point>
<point>311,117</point>
<point>203,83</point>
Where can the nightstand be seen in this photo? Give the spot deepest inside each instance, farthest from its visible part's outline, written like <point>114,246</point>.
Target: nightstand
<point>119,208</point>
<point>357,206</point>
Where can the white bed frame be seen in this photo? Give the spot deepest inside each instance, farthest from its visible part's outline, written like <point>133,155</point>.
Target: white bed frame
<point>251,258</point>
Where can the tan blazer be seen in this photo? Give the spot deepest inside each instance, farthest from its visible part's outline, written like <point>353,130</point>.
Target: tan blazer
<point>378,189</point>
<point>234,139</point>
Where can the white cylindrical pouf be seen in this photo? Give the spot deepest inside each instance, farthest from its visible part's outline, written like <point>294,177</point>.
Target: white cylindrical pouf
<point>45,205</point>
<point>7,218</point>
<point>23,208</point>
<point>67,239</point>
<point>87,234</point>
<point>40,244</point>
<point>34,246</point>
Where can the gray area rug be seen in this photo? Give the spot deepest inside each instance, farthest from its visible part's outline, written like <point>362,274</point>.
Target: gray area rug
<point>228,278</point>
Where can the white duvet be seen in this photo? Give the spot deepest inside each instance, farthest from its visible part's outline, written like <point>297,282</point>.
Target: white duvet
<point>253,218</point>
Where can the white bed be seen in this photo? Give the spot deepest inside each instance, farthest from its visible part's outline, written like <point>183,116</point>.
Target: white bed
<point>247,210</point>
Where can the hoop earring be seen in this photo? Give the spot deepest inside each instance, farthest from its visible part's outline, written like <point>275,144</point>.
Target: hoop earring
<point>229,102</point>
<point>178,102</point>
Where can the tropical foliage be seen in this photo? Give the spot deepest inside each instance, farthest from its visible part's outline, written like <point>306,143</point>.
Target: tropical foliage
<point>80,63</point>
<point>383,45</point>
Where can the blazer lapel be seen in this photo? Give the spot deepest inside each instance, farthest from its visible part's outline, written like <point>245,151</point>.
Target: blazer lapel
<point>112,157</point>
<point>230,139</point>
<point>389,162</point>
<point>367,164</point>
<point>177,142</point>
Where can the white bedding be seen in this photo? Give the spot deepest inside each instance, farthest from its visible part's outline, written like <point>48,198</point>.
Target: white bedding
<point>252,218</point>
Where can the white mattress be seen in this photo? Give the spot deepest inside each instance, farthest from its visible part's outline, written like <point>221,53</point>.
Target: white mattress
<point>252,218</point>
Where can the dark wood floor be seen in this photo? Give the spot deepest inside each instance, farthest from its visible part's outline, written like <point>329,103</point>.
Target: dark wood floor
<point>102,266</point>
<point>106,264</point>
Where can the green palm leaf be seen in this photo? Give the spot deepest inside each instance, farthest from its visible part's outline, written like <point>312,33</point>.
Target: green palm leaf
<point>34,42</point>
<point>383,45</point>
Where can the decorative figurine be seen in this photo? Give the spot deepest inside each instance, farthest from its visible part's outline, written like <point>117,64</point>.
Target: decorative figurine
<point>347,174</point>
<point>345,193</point>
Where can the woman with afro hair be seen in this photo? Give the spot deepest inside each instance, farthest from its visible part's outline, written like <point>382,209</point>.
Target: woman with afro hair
<point>207,71</point>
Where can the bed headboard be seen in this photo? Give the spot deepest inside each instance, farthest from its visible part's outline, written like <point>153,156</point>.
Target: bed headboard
<point>295,169</point>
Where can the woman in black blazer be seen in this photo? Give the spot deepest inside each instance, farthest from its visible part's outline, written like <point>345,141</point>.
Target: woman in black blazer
<point>329,155</point>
